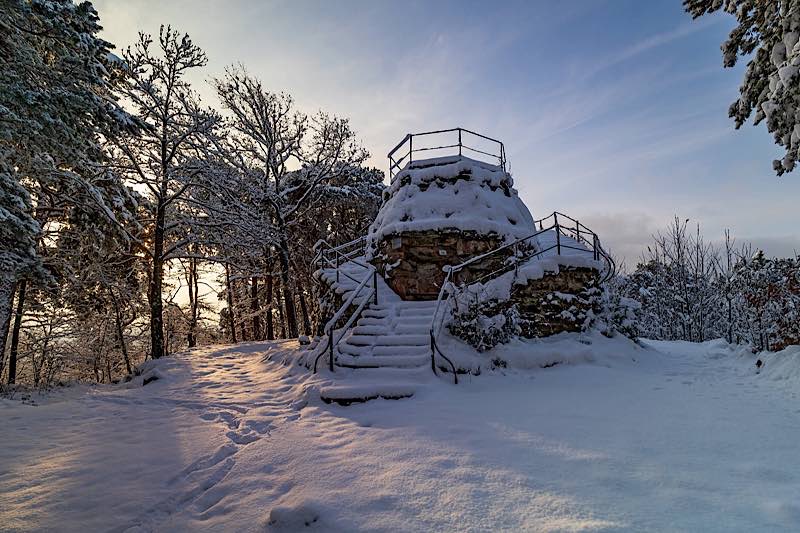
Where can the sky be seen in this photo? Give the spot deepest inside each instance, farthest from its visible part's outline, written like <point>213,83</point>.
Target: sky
<point>612,111</point>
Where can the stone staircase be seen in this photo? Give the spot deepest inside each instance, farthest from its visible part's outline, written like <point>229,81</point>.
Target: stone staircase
<point>386,354</point>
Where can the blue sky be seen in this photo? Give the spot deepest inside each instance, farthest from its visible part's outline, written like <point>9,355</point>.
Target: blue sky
<point>613,111</point>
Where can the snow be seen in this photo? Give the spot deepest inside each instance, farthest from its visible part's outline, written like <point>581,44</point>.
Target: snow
<point>452,193</point>
<point>667,436</point>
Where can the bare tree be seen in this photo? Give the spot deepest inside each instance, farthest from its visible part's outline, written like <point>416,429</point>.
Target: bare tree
<point>286,155</point>
<point>165,161</point>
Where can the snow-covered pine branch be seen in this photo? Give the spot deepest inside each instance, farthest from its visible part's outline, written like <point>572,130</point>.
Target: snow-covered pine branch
<point>768,33</point>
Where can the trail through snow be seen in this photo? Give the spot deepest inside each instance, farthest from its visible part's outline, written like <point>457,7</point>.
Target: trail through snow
<point>675,437</point>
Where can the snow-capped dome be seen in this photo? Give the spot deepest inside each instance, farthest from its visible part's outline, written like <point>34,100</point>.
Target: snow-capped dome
<point>452,193</point>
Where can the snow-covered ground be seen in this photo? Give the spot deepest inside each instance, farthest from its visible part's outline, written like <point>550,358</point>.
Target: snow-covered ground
<point>673,436</point>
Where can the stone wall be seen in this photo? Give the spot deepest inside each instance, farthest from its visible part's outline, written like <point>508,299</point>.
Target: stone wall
<point>412,263</point>
<point>558,302</point>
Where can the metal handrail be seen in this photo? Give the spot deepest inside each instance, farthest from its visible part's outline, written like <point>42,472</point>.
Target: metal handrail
<point>396,164</point>
<point>579,233</point>
<point>324,248</point>
<point>331,324</point>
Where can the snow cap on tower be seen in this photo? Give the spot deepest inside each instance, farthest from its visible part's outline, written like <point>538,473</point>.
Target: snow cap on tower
<point>453,193</point>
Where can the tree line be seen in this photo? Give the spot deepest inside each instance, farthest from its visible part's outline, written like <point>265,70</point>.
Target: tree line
<point>689,289</point>
<point>119,187</point>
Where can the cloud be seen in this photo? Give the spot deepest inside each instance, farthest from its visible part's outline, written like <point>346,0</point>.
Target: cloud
<point>625,234</point>
<point>775,246</point>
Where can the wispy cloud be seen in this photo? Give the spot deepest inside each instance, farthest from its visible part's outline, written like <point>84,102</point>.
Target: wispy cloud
<point>648,44</point>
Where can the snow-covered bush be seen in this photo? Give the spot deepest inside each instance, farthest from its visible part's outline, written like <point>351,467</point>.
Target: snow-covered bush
<point>619,314</point>
<point>484,325</point>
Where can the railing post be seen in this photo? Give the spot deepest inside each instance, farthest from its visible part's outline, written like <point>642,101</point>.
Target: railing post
<point>459,142</point>
<point>410,148</point>
<point>330,349</point>
<point>375,284</point>
<point>433,354</point>
<point>558,234</point>
<point>596,252</point>
<point>337,267</point>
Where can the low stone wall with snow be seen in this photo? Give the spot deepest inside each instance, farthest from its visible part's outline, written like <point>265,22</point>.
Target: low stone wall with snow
<point>557,302</point>
<point>541,298</point>
<point>412,264</point>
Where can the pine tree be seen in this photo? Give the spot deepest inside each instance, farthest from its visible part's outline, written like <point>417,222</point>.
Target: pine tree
<point>56,78</point>
<point>767,33</point>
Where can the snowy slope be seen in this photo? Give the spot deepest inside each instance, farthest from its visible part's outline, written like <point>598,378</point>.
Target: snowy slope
<point>673,436</point>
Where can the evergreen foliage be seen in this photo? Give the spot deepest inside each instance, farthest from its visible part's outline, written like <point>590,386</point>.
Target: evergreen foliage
<point>767,33</point>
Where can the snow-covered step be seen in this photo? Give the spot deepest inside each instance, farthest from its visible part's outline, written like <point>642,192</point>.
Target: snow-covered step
<point>372,329</point>
<point>406,339</point>
<point>395,361</point>
<point>383,351</point>
<point>412,328</point>
<point>347,394</point>
<point>370,320</point>
<point>376,313</point>
<point>389,351</point>
<point>371,374</point>
<point>389,340</point>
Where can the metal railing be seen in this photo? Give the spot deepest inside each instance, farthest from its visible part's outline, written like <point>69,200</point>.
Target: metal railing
<point>521,251</point>
<point>334,257</point>
<point>403,153</point>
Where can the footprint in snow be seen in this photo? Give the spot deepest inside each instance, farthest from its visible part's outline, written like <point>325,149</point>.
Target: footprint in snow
<point>242,438</point>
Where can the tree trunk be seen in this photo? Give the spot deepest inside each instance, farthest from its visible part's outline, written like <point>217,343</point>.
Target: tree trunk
<point>156,286</point>
<point>730,321</point>
<point>304,313</point>
<point>12,356</point>
<point>121,336</point>
<point>191,336</point>
<point>230,302</point>
<point>37,368</point>
<point>281,316</point>
<point>288,298</point>
<point>7,290</point>
<point>255,308</point>
<point>270,326</point>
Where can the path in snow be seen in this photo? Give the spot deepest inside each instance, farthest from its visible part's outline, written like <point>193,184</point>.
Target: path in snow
<point>685,438</point>
<point>125,459</point>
